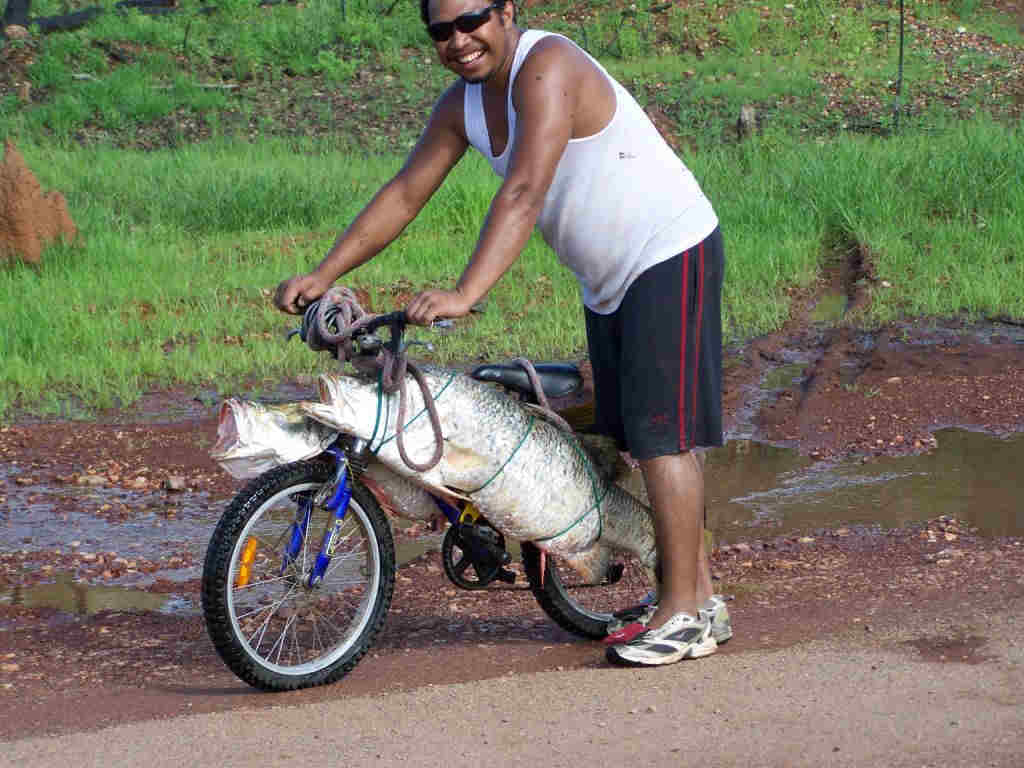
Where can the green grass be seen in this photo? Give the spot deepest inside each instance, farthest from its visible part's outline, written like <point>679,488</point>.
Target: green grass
<point>179,251</point>
<point>711,57</point>
<point>182,241</point>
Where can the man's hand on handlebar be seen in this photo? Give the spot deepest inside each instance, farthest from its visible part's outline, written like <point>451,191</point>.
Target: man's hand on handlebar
<point>434,305</point>
<point>297,293</point>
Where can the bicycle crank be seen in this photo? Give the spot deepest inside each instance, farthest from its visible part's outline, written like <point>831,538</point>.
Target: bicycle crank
<point>474,555</point>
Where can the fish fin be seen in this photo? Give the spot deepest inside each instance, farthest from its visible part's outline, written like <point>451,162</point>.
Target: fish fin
<point>446,492</point>
<point>591,565</point>
<point>451,493</point>
<point>324,414</point>
<point>604,454</point>
<point>462,459</point>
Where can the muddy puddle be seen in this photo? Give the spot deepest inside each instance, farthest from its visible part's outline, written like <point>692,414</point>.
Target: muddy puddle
<point>93,525</point>
<point>131,523</point>
<point>70,595</point>
<point>83,599</point>
<point>754,491</point>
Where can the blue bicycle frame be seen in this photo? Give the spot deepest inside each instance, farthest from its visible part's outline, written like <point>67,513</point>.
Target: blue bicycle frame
<point>340,494</point>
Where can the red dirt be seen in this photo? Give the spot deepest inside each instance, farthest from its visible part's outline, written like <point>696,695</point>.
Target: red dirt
<point>75,672</point>
<point>61,672</point>
<point>900,392</point>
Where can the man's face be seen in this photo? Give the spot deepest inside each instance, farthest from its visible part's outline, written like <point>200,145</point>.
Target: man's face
<point>478,54</point>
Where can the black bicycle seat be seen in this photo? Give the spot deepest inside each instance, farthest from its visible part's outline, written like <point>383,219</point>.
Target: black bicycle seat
<point>556,379</point>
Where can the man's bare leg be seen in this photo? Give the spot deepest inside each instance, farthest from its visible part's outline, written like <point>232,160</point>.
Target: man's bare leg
<point>675,486</point>
<point>704,587</point>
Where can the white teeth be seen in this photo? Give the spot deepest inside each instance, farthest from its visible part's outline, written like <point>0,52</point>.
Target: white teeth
<point>470,57</point>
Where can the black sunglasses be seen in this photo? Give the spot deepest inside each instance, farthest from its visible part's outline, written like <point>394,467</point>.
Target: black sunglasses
<point>466,23</point>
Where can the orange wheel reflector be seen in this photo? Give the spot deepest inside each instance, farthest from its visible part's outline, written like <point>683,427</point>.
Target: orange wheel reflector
<point>245,566</point>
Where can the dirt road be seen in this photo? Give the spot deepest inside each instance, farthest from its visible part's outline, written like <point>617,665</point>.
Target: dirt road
<point>854,698</point>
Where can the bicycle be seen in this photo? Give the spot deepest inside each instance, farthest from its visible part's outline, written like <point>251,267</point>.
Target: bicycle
<point>300,569</point>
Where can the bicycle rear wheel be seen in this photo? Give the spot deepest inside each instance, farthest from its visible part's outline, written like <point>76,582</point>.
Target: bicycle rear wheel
<point>270,628</point>
<point>585,609</point>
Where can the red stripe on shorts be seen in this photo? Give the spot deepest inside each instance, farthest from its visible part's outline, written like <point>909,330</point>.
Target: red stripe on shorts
<point>683,442</point>
<point>696,346</point>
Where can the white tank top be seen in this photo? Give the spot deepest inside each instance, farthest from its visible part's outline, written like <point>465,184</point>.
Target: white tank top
<point>620,202</point>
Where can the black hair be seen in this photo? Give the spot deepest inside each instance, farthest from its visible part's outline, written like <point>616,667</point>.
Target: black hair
<point>425,10</point>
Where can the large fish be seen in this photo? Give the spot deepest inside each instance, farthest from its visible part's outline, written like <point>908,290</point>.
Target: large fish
<point>532,480</point>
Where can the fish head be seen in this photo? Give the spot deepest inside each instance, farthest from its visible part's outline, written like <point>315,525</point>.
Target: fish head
<point>254,437</point>
<point>229,434</point>
<point>349,404</point>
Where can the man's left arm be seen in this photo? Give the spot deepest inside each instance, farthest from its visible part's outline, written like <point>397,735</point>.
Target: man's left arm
<point>544,98</point>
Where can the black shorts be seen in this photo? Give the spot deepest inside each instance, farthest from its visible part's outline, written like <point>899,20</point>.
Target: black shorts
<point>657,359</point>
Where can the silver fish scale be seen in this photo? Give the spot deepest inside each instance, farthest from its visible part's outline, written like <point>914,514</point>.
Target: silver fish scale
<point>541,488</point>
<point>254,437</point>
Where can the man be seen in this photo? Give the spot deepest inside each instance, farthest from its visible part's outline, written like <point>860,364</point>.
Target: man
<point>581,161</point>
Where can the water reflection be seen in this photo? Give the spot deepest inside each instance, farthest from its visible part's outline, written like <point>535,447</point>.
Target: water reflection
<point>758,490</point>
<point>971,476</point>
<point>85,599</point>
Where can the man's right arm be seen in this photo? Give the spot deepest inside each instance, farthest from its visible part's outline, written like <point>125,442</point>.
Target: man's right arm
<point>389,212</point>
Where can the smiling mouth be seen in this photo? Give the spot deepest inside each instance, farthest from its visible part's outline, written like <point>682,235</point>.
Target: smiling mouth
<point>469,58</point>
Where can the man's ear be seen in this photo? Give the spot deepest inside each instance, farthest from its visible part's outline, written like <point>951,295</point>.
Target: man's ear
<point>504,10</point>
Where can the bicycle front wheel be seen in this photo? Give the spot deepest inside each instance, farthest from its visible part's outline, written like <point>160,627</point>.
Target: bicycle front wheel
<point>269,626</point>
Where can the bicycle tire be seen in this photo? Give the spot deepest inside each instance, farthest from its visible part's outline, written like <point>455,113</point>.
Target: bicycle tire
<point>583,609</point>
<point>352,600</point>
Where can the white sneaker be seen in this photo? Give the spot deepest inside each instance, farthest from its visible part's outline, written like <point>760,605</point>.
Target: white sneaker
<point>626,624</point>
<point>716,610</point>
<point>681,637</point>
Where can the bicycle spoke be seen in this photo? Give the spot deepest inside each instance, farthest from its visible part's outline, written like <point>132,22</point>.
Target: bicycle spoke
<point>266,622</point>
<point>330,623</point>
<point>279,643</point>
<point>335,565</point>
<point>296,650</point>
<point>262,583</point>
<point>341,583</point>
<point>317,642</point>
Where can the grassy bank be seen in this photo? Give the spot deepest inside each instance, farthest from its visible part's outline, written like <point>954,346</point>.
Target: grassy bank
<point>180,250</point>
<point>193,202</point>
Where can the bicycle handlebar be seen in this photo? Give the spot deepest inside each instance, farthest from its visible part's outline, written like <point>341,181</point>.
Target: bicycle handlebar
<point>365,341</point>
<point>396,321</point>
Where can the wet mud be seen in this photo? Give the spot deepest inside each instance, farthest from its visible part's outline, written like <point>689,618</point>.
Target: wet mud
<point>866,474</point>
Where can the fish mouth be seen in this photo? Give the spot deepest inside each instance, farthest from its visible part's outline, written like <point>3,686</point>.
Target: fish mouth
<point>227,429</point>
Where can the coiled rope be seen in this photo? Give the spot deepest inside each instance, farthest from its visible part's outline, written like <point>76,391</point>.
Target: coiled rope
<point>330,324</point>
<point>332,321</point>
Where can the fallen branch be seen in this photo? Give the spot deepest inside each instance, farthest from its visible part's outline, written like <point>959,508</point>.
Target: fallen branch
<point>219,86</point>
<point>69,21</point>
